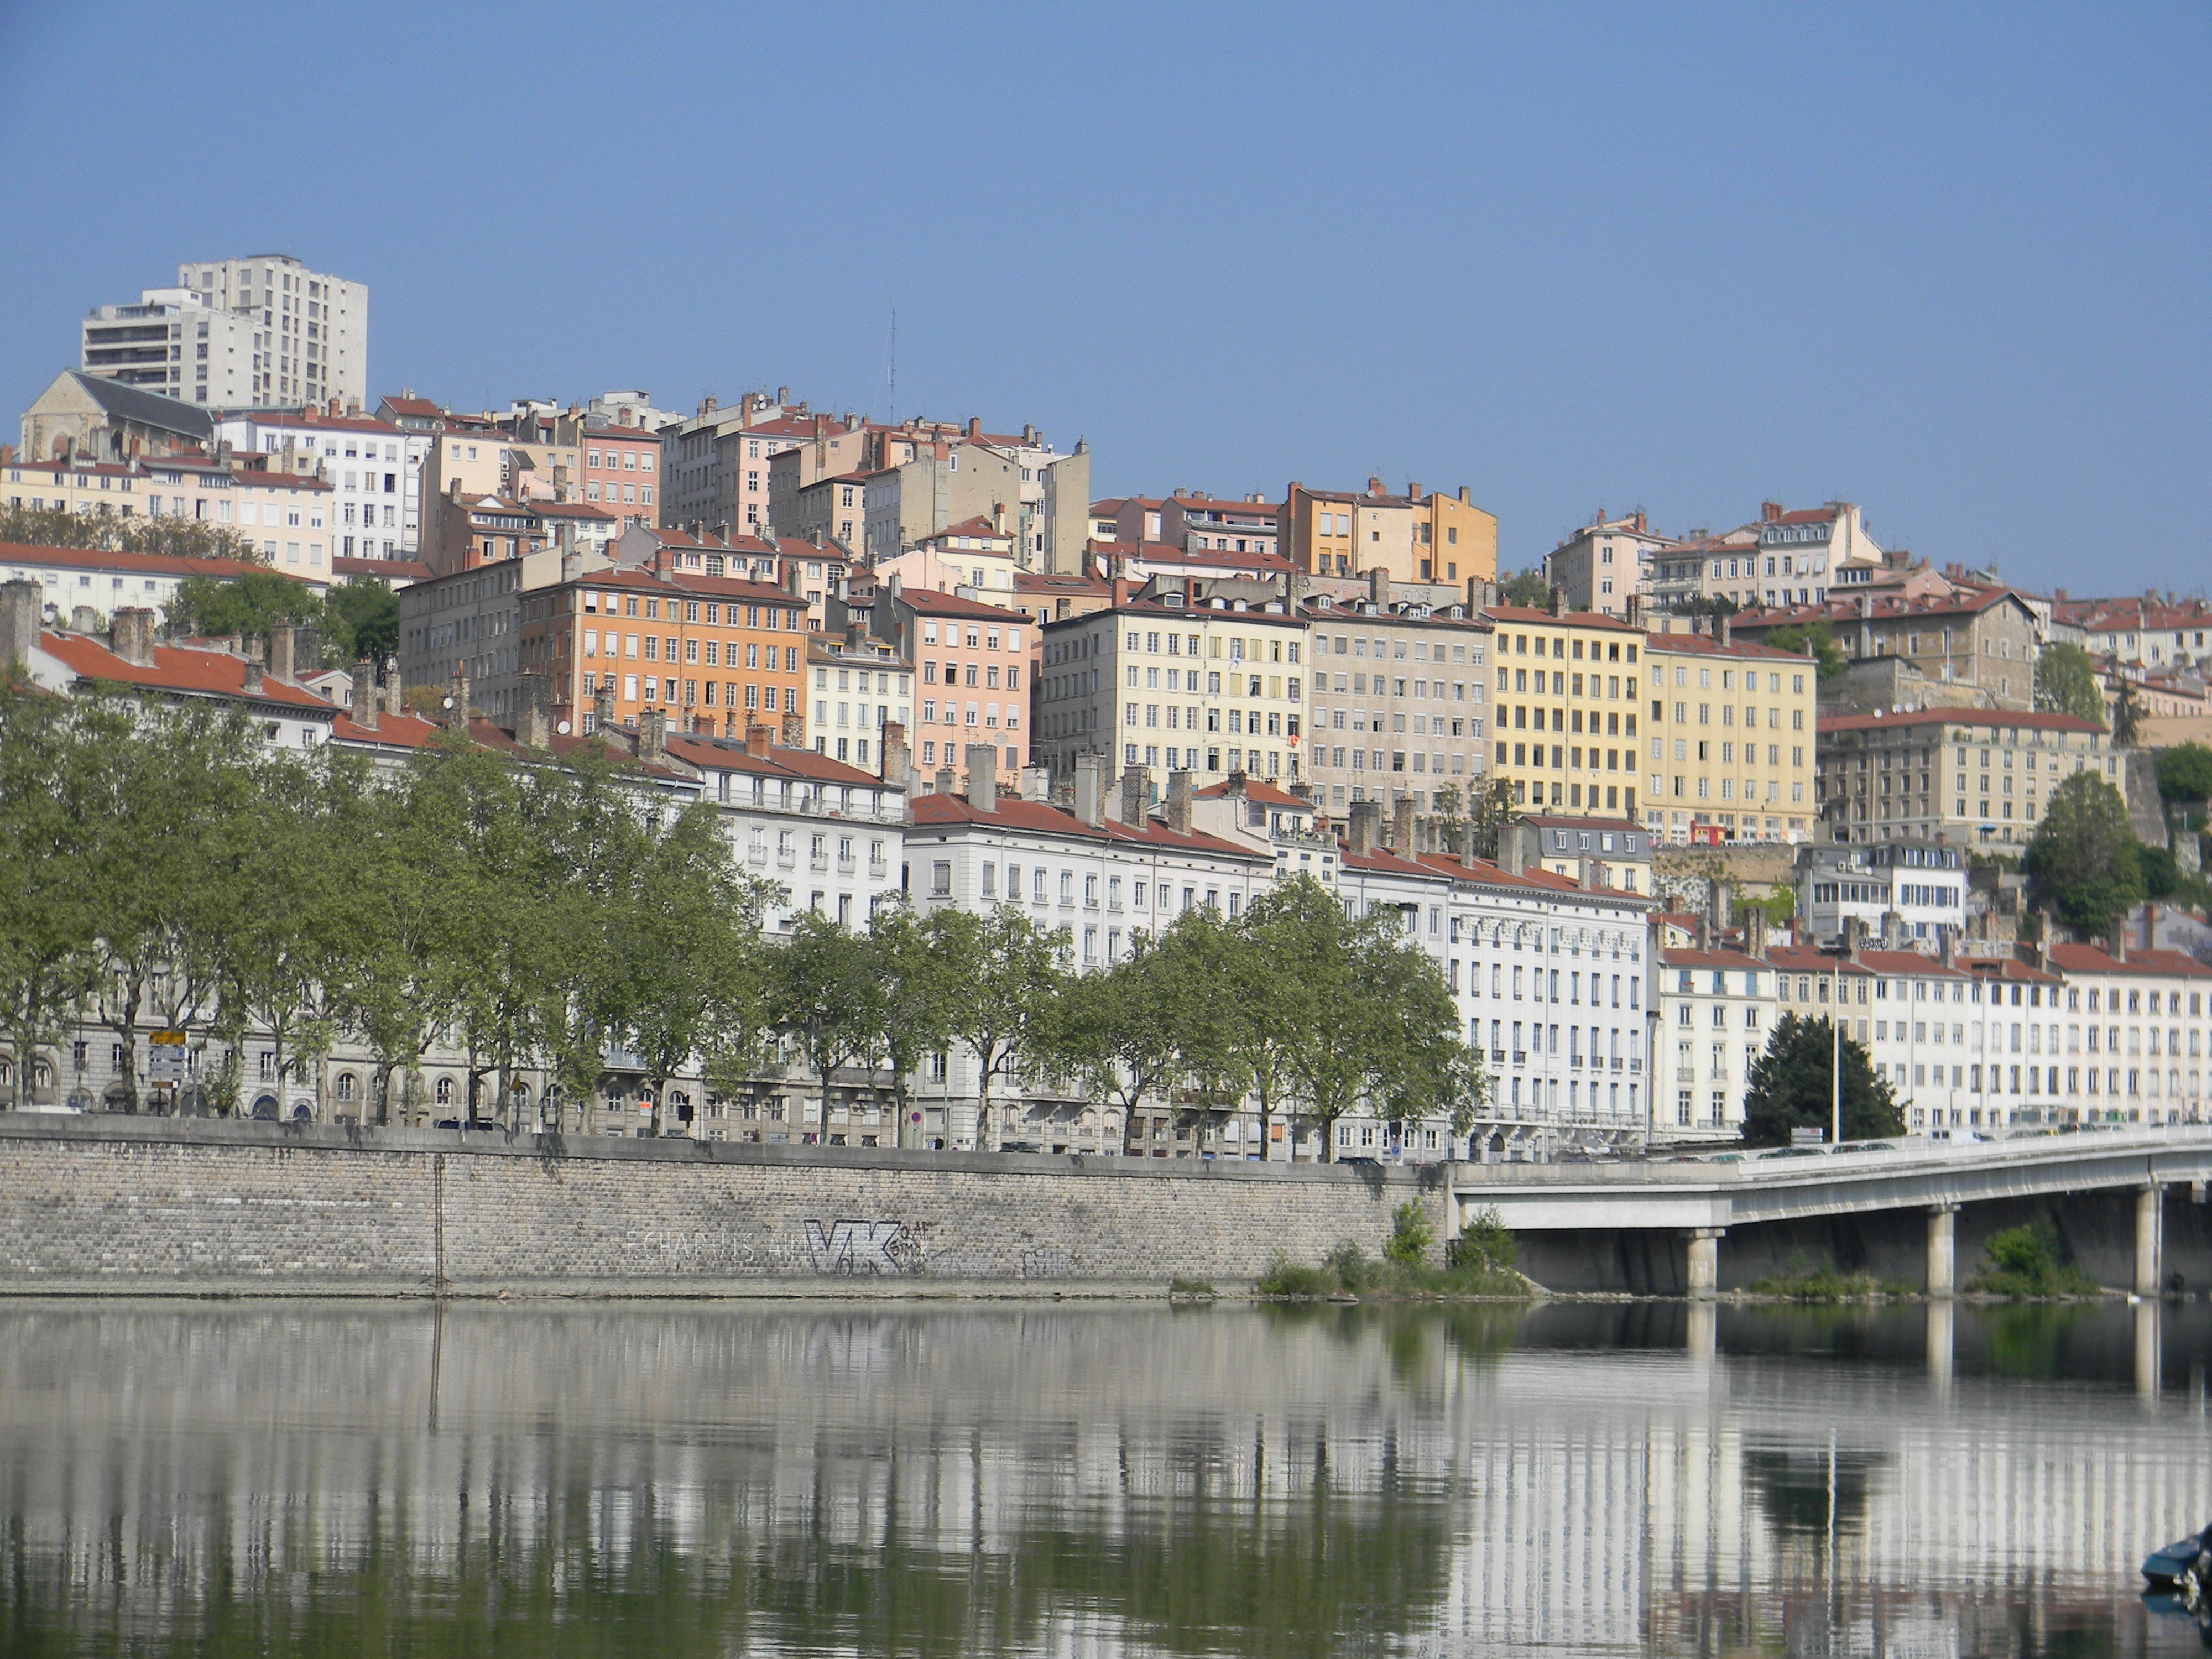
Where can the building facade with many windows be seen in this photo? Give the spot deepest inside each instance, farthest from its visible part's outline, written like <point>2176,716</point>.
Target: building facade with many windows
<point>310,330</point>
<point>1398,701</point>
<point>1965,776</point>
<point>1717,1009</point>
<point>1731,745</point>
<point>1566,692</point>
<point>1159,685</point>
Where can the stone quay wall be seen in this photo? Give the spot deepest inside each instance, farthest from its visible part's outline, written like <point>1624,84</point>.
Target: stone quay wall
<point>143,1206</point>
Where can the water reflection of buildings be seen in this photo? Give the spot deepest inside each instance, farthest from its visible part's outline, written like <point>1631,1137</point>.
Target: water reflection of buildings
<point>1068,1480</point>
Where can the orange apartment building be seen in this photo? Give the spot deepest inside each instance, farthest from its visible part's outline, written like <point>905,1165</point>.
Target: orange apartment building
<point>971,663</point>
<point>1415,537</point>
<point>712,654</point>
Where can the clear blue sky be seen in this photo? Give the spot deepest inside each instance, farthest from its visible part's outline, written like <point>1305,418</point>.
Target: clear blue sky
<point>1950,263</point>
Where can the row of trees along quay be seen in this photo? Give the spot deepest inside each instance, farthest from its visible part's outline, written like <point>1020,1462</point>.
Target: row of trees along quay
<point>162,866</point>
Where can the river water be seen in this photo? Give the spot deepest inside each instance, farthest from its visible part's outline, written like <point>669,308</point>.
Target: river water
<point>700,1477</point>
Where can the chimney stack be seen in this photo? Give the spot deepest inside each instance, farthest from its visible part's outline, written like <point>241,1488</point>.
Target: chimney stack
<point>250,679</point>
<point>1379,588</point>
<point>132,635</point>
<point>364,694</point>
<point>1135,786</point>
<point>944,779</point>
<point>1179,784</point>
<point>1364,826</point>
<point>1401,826</point>
<point>983,763</point>
<point>534,710</point>
<point>1036,783</point>
<point>457,699</point>
<point>1091,788</point>
<point>82,617</point>
<point>21,604</point>
<point>898,758</point>
<point>394,694</point>
<point>2115,940</point>
<point>652,736</point>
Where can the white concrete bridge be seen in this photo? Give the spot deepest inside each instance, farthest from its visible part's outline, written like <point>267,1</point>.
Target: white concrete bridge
<point>1699,1201</point>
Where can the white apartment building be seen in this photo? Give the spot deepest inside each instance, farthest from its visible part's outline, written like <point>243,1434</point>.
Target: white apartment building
<point>374,471</point>
<point>1103,881</point>
<point>1717,1009</point>
<point>309,330</point>
<point>860,689</point>
<point>1163,686</point>
<point>175,341</point>
<point>2088,1034</point>
<point>1550,979</point>
<point>1921,884</point>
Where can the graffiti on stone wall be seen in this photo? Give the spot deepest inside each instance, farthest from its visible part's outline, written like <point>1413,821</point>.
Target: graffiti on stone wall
<point>851,1248</point>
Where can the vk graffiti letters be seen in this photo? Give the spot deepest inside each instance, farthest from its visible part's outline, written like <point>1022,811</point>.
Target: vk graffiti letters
<point>854,1247</point>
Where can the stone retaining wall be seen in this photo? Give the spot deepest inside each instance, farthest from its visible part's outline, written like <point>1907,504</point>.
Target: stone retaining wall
<point>190,1206</point>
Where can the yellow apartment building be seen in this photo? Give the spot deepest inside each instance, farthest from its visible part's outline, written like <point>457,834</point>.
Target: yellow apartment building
<point>1566,694</point>
<point>1731,744</point>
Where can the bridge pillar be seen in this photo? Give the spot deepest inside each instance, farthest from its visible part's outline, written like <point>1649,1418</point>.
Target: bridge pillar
<point>1942,1250</point>
<point>2149,1216</point>
<point>1705,1260</point>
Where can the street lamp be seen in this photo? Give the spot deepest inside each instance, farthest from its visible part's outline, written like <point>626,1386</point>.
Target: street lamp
<point>1836,954</point>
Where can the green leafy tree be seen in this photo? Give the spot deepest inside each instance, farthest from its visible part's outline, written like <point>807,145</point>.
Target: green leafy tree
<point>2082,863</point>
<point>171,799</point>
<point>681,931</point>
<point>1827,655</point>
<point>2184,772</point>
<point>821,996</point>
<point>2066,683</point>
<point>1489,811</point>
<point>910,989</point>
<point>253,604</point>
<point>2127,716</point>
<point>54,782</point>
<point>360,618</point>
<point>1525,587</point>
<point>185,538</point>
<point>1791,1085</point>
<point>1115,1031</point>
<point>1008,970</point>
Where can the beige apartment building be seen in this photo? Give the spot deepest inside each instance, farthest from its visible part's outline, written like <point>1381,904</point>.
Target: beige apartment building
<point>1414,538</point>
<point>1566,693</point>
<point>1976,777</point>
<point>1732,738</point>
<point>1978,643</point>
<point>1785,558</point>
<point>1158,684</point>
<point>1605,565</point>
<point>1397,698</point>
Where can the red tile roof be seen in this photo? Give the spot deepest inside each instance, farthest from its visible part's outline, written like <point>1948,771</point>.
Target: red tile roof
<point>1037,817</point>
<point>1708,959</point>
<point>931,602</point>
<point>1521,613</point>
<point>2094,959</point>
<point>1706,645</point>
<point>1266,793</point>
<point>730,754</point>
<point>202,673</point>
